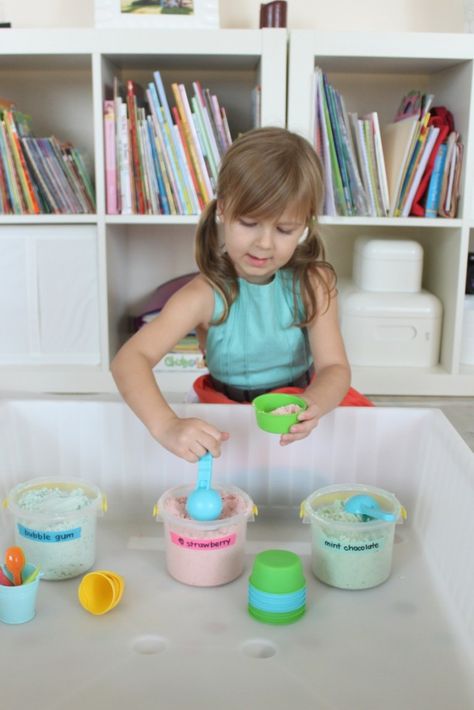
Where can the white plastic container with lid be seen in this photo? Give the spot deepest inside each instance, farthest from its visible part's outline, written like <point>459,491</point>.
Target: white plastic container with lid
<point>390,329</point>
<point>205,554</point>
<point>388,265</point>
<point>346,552</point>
<point>55,524</point>
<point>467,340</point>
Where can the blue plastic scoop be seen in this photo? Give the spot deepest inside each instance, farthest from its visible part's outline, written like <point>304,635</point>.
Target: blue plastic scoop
<point>366,505</point>
<point>204,503</point>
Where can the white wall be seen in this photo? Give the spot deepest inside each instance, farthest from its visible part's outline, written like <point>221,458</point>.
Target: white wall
<point>396,15</point>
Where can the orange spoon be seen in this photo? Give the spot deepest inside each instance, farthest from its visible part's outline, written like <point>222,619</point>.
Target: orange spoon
<point>14,562</point>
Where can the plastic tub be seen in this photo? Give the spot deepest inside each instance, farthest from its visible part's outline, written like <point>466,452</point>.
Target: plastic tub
<point>55,524</point>
<point>350,554</point>
<point>205,554</point>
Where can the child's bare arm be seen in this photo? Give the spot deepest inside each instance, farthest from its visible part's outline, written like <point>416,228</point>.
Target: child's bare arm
<point>132,369</point>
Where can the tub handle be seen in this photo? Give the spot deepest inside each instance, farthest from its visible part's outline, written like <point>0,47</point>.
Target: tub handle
<point>105,505</point>
<point>5,503</point>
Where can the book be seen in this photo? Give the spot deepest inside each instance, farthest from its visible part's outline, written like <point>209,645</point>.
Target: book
<point>358,139</point>
<point>29,193</point>
<point>397,140</point>
<point>9,172</point>
<point>337,189</point>
<point>371,159</point>
<point>168,151</point>
<point>110,158</point>
<point>124,159</point>
<point>434,186</point>
<point>329,207</point>
<point>426,152</point>
<point>358,191</point>
<point>338,147</point>
<point>380,162</point>
<point>139,205</point>
<point>451,176</point>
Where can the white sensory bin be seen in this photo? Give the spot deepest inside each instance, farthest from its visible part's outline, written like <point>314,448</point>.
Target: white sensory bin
<point>407,643</point>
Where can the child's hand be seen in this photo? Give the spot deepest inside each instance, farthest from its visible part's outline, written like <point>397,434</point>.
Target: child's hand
<point>307,421</point>
<point>191,438</point>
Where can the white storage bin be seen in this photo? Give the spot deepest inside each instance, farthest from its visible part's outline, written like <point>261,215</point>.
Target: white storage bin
<point>390,329</point>
<point>387,265</point>
<point>467,341</point>
<point>409,641</point>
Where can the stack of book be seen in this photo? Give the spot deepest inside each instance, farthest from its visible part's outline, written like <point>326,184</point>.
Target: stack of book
<point>40,175</point>
<point>162,160</point>
<point>409,167</point>
<point>345,193</point>
<point>424,158</point>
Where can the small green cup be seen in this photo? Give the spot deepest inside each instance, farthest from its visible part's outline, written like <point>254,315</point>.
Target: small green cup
<point>265,404</point>
<point>277,572</point>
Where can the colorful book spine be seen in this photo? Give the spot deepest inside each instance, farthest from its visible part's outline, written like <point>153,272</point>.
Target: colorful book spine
<point>163,198</point>
<point>159,113</point>
<point>208,189</point>
<point>29,194</point>
<point>338,191</point>
<point>9,169</point>
<point>137,177</point>
<point>330,99</point>
<point>329,201</point>
<point>380,162</point>
<point>42,178</point>
<point>208,126</point>
<point>193,148</point>
<point>420,169</point>
<point>434,186</point>
<point>110,152</point>
<point>172,147</point>
<point>374,182</point>
<point>124,161</point>
<point>188,160</point>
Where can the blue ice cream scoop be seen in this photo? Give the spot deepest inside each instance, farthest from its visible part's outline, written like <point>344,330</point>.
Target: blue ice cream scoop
<point>204,503</point>
<point>367,505</point>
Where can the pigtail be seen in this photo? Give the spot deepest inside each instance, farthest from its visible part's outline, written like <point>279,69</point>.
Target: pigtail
<point>212,261</point>
<point>310,267</point>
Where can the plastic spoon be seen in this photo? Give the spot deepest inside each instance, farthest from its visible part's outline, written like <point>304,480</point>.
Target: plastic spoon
<point>14,562</point>
<point>366,505</point>
<point>32,576</point>
<point>204,503</point>
<point>4,581</point>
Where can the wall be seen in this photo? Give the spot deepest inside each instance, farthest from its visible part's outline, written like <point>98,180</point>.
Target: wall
<point>373,15</point>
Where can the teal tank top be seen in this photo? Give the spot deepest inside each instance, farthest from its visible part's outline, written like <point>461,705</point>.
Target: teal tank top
<point>257,346</point>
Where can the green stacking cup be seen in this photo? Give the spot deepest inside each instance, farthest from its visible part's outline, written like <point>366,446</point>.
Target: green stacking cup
<point>279,575</point>
<point>264,406</point>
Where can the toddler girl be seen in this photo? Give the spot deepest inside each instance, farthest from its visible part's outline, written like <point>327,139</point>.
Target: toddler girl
<point>264,304</point>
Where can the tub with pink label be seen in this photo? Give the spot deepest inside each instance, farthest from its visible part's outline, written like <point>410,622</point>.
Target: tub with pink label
<point>205,554</point>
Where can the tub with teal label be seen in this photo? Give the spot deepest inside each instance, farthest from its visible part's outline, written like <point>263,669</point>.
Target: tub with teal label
<point>349,551</point>
<point>55,524</point>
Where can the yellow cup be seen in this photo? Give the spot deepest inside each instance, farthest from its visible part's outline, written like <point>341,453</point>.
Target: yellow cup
<point>100,591</point>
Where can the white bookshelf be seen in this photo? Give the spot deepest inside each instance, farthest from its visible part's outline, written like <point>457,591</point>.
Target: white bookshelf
<point>60,78</point>
<point>373,71</point>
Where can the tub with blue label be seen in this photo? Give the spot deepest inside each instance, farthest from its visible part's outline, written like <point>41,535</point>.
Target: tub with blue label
<point>55,524</point>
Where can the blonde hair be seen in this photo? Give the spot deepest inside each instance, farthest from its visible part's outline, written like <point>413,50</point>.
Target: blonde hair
<point>265,171</point>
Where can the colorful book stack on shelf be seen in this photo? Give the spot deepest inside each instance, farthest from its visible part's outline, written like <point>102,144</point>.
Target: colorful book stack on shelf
<point>411,166</point>
<point>39,175</point>
<point>162,160</point>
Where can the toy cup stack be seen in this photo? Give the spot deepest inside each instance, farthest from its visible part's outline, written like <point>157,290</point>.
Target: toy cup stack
<point>277,587</point>
<point>100,591</point>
